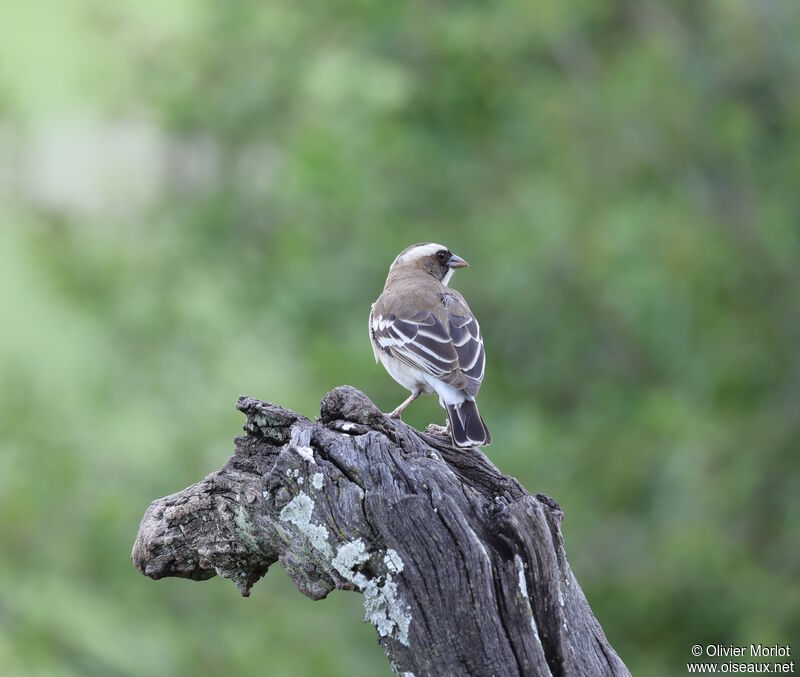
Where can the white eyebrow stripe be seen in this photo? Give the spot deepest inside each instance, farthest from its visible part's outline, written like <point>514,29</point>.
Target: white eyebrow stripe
<point>419,252</point>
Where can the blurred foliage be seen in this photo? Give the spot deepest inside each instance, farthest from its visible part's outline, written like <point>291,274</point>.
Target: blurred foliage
<point>622,177</point>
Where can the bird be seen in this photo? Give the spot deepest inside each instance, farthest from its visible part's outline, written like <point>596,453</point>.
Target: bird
<point>426,337</point>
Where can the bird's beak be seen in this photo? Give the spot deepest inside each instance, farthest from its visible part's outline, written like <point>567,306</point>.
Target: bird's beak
<point>456,262</point>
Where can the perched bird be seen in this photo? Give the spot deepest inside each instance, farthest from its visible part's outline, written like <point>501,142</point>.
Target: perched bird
<point>429,341</point>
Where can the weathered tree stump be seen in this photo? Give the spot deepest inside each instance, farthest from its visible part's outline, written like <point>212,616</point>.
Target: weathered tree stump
<point>462,571</point>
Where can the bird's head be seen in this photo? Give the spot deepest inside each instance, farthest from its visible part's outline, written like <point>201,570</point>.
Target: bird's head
<point>428,257</point>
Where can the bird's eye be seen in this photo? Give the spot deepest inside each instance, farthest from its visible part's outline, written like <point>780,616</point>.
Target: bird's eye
<point>441,256</point>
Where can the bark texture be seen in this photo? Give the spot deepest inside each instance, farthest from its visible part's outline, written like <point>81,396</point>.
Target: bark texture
<point>462,571</point>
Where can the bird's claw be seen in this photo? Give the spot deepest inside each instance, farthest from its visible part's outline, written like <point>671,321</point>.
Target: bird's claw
<point>434,429</point>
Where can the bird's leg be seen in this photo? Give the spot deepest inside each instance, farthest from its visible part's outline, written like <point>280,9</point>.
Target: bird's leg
<point>396,413</point>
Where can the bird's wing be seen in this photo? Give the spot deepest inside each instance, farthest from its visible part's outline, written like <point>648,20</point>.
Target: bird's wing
<point>465,333</point>
<point>420,341</point>
<point>444,342</point>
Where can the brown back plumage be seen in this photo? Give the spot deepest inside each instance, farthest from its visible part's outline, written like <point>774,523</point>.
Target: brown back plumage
<point>419,301</point>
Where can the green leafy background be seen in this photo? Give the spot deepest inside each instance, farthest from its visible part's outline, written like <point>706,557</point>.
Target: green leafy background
<point>200,200</point>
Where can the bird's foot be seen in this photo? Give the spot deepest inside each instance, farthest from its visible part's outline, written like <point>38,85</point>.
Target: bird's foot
<point>434,429</point>
<point>396,415</point>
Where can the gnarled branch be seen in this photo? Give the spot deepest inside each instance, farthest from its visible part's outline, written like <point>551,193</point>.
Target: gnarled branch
<point>462,571</point>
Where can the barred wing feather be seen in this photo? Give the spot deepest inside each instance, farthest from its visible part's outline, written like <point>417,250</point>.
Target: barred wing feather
<point>452,352</point>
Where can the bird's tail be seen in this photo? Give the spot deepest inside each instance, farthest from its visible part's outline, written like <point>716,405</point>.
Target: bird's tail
<point>467,426</point>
